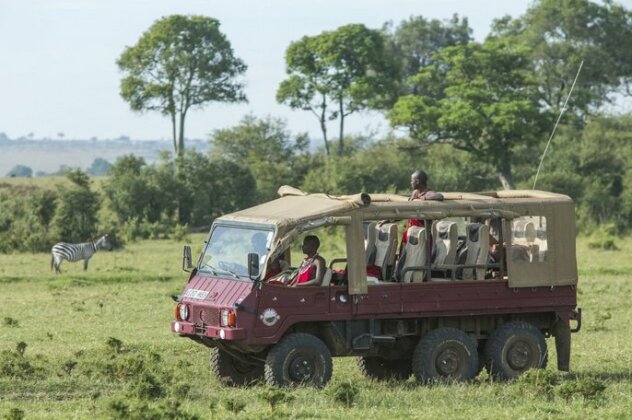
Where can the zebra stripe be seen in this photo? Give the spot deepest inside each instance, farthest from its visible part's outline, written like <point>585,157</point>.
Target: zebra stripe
<point>75,252</point>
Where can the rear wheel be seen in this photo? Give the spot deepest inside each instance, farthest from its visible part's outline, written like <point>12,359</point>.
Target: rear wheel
<point>384,369</point>
<point>514,348</point>
<point>232,372</point>
<point>299,359</point>
<point>445,354</point>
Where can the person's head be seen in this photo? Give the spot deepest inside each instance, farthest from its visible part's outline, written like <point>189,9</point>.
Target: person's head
<point>310,244</point>
<point>419,180</point>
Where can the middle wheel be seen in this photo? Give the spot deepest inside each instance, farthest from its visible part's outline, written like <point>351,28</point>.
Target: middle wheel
<point>445,354</point>
<point>299,359</point>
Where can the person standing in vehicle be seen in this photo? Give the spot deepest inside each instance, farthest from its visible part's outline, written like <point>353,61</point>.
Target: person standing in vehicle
<point>420,191</point>
<point>312,269</point>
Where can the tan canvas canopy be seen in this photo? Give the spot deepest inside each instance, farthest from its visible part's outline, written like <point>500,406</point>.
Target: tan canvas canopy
<point>296,211</point>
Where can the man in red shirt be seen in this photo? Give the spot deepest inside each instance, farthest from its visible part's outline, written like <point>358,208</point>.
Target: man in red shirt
<point>419,184</point>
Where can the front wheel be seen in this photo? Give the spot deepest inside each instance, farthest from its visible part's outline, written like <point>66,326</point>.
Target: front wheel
<point>299,359</point>
<point>445,354</point>
<point>514,348</point>
<point>232,372</point>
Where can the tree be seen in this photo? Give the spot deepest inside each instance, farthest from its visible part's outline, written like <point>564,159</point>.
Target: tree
<point>480,98</point>
<point>274,156</point>
<point>337,73</point>
<point>75,218</point>
<point>416,39</point>
<point>181,63</point>
<point>559,35</point>
<point>20,171</point>
<point>99,167</point>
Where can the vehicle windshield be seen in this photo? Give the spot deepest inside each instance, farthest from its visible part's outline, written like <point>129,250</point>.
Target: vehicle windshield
<point>226,253</point>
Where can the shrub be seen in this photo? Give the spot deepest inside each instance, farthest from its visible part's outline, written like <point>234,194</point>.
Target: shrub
<point>344,392</point>
<point>589,389</point>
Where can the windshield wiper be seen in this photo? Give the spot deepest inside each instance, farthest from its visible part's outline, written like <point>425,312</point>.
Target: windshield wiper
<point>212,269</point>
<point>223,270</point>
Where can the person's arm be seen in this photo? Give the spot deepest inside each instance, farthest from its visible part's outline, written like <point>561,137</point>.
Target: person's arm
<point>319,263</point>
<point>434,196</point>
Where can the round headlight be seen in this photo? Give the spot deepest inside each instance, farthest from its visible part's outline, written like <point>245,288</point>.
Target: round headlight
<point>183,312</point>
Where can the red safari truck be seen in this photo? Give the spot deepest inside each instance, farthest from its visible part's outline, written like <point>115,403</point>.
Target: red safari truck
<point>482,280</point>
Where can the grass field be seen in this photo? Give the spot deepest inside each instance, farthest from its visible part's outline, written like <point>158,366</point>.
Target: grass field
<point>97,344</point>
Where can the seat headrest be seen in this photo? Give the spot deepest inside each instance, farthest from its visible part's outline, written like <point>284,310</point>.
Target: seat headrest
<point>473,230</point>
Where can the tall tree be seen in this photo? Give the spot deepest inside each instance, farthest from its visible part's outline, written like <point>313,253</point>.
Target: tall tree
<point>560,34</point>
<point>416,39</point>
<point>337,73</point>
<point>480,98</point>
<point>180,63</point>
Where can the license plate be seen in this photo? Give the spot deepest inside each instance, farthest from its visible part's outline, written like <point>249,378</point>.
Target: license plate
<point>196,294</point>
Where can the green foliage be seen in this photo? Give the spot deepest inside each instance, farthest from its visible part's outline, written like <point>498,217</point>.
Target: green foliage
<point>344,392</point>
<point>20,171</point>
<point>234,405</point>
<point>180,63</point>
<point>99,167</point>
<point>589,389</point>
<point>559,35</point>
<point>11,322</point>
<point>480,98</point>
<point>417,39</point>
<point>268,149</point>
<point>14,414</point>
<point>275,397</point>
<point>337,73</point>
<point>75,217</point>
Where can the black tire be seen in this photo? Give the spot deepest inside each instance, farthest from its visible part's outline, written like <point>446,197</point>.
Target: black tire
<point>384,369</point>
<point>299,359</point>
<point>514,348</point>
<point>445,354</point>
<point>232,372</point>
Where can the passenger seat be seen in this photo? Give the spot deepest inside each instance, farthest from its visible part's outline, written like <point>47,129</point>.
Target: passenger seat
<point>477,251</point>
<point>369,243</point>
<point>446,237</point>
<point>386,248</point>
<point>413,255</point>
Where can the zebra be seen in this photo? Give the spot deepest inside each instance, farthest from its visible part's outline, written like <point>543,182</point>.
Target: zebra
<point>75,252</point>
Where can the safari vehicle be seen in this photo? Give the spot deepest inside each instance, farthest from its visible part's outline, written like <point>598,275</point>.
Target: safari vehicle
<point>442,310</point>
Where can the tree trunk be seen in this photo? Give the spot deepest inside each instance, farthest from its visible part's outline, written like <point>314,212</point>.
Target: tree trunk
<point>181,134</point>
<point>323,122</point>
<point>504,174</point>
<point>341,146</point>
<point>173,129</point>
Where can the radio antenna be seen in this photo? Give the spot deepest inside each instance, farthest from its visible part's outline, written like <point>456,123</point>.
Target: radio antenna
<point>556,123</point>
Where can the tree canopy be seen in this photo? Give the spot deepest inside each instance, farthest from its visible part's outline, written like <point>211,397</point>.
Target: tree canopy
<point>480,98</point>
<point>180,63</point>
<point>337,73</point>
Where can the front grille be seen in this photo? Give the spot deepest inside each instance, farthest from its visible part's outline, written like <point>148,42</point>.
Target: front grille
<point>210,316</point>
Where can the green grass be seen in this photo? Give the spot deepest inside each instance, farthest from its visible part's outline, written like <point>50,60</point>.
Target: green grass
<point>68,369</point>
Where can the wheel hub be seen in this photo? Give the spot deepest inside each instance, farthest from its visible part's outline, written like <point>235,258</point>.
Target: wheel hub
<point>301,368</point>
<point>519,355</point>
<point>447,362</point>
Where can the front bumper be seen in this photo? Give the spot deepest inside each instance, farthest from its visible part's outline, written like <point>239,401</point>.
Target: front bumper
<point>184,328</point>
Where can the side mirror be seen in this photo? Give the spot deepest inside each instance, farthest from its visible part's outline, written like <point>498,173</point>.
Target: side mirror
<point>253,265</point>
<point>187,261</point>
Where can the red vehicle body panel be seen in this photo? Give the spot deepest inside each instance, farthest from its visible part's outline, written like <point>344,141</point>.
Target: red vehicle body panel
<point>388,301</point>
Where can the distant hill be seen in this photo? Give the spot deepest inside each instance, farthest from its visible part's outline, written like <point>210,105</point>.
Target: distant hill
<point>48,155</point>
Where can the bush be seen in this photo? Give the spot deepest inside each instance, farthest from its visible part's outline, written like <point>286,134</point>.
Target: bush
<point>589,389</point>
<point>344,392</point>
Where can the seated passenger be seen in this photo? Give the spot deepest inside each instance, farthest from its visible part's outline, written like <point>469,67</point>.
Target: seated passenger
<point>312,269</point>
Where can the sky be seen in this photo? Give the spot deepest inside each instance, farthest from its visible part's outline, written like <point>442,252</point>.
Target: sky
<point>58,70</point>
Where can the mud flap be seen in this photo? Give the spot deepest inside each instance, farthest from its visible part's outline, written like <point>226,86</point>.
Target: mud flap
<point>562,333</point>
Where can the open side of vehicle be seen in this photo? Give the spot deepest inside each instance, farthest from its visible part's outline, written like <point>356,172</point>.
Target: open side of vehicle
<point>481,281</point>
